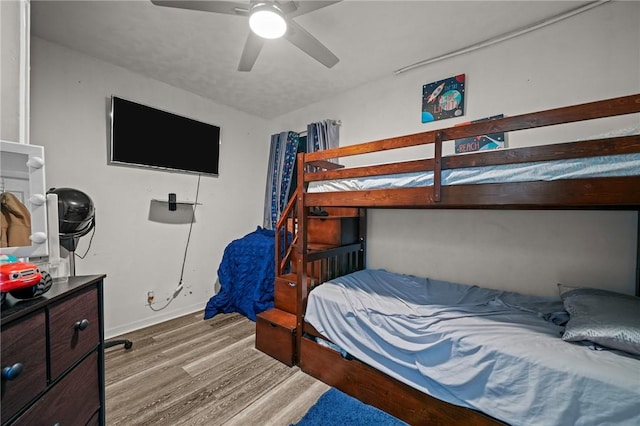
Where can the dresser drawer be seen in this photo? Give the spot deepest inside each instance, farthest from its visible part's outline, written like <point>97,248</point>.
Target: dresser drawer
<point>74,328</point>
<point>23,343</point>
<point>285,294</point>
<point>335,231</point>
<point>74,400</point>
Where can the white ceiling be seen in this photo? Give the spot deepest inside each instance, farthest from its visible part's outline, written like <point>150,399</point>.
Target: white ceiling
<point>199,51</point>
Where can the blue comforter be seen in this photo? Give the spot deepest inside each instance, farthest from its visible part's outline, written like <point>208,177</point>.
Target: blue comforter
<point>246,276</point>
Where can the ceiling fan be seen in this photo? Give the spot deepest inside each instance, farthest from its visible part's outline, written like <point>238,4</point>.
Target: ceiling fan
<point>283,11</point>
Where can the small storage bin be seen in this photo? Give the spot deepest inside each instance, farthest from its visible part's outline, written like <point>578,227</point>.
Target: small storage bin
<point>275,335</point>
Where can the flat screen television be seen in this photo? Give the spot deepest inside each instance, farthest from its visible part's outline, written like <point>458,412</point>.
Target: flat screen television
<point>143,136</point>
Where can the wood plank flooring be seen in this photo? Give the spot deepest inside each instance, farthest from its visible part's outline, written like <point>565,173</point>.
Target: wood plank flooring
<point>189,371</point>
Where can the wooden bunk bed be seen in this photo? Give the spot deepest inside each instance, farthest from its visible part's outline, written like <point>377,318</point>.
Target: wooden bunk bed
<point>302,263</point>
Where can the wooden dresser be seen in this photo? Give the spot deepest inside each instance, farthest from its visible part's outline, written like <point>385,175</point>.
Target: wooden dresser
<point>53,356</point>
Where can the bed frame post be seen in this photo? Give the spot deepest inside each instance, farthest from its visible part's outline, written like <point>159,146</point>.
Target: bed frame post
<point>301,257</point>
<point>437,167</point>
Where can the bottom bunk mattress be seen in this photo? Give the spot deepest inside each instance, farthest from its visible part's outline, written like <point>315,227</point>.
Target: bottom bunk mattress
<point>494,351</point>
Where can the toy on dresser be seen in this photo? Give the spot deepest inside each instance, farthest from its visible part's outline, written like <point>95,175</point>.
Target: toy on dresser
<point>21,279</point>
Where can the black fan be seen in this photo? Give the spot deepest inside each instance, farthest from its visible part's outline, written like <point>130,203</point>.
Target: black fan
<point>286,10</point>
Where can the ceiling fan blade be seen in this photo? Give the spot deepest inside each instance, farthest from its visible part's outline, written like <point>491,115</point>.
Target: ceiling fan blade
<point>226,7</point>
<point>304,41</point>
<point>252,48</point>
<point>297,8</point>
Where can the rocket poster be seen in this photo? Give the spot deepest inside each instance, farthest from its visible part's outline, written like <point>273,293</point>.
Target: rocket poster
<point>443,99</point>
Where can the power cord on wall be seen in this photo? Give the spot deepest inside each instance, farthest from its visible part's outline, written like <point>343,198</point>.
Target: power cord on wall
<point>180,286</point>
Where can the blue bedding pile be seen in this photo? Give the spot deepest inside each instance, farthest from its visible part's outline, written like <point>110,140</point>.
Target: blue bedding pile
<point>246,276</point>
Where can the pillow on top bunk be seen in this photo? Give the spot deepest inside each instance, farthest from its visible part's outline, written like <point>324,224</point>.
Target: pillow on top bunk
<point>603,317</point>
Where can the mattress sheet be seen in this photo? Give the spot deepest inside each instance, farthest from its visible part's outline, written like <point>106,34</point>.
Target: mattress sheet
<point>601,166</point>
<point>494,351</point>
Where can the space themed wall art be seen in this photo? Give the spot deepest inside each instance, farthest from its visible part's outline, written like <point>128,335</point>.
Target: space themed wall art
<point>443,99</point>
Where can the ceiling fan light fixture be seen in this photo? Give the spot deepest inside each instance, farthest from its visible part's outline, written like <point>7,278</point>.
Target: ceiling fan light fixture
<point>267,21</point>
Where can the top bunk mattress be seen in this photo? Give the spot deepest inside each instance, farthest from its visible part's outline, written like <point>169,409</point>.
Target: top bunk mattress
<point>600,166</point>
<point>494,351</point>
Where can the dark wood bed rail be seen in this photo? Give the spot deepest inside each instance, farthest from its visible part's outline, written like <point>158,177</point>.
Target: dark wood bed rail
<point>569,150</point>
<point>366,384</point>
<point>601,193</point>
<point>598,193</point>
<point>285,227</point>
<point>328,264</point>
<point>604,193</point>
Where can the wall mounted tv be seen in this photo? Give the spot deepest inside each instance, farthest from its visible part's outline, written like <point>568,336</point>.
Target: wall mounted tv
<point>143,136</point>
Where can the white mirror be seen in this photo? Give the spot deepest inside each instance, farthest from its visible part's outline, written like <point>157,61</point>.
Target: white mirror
<point>22,176</point>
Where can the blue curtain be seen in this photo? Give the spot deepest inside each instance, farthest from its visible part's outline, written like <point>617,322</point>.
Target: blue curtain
<point>282,159</point>
<point>323,135</point>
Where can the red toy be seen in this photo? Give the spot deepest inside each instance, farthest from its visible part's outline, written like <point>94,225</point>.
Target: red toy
<point>23,280</point>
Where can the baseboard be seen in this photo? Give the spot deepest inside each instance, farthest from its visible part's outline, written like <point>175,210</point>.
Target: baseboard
<point>156,319</point>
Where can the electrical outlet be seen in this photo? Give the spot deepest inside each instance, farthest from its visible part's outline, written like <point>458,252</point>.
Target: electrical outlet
<point>150,297</point>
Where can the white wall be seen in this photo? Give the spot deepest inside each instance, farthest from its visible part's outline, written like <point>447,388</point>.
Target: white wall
<point>592,56</point>
<point>10,32</point>
<point>70,94</point>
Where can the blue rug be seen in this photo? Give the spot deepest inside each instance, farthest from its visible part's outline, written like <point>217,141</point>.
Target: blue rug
<point>335,408</point>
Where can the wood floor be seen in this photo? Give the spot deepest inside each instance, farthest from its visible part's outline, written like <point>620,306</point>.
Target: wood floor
<point>189,371</point>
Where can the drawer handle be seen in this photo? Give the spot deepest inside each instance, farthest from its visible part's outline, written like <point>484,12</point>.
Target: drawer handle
<point>291,284</point>
<point>81,325</point>
<point>12,372</point>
